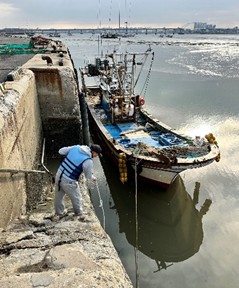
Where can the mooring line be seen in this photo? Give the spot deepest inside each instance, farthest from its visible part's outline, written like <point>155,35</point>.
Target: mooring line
<point>101,204</point>
<point>42,158</point>
<point>136,227</point>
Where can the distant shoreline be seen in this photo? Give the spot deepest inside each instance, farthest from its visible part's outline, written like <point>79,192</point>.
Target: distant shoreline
<point>136,30</point>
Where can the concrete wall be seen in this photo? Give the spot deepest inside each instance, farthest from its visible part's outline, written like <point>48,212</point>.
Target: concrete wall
<point>59,101</point>
<point>41,102</point>
<point>20,139</point>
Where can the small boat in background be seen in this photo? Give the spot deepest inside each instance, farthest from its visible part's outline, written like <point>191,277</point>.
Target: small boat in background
<point>55,34</point>
<point>109,35</point>
<point>135,141</point>
<point>30,34</point>
<point>127,35</point>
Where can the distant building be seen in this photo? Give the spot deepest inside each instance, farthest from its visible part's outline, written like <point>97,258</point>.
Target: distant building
<point>203,26</point>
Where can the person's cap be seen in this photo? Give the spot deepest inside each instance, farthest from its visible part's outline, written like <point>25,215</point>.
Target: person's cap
<point>96,148</point>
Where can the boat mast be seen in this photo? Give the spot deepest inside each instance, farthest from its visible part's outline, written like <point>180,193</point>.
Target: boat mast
<point>119,20</point>
<point>132,78</point>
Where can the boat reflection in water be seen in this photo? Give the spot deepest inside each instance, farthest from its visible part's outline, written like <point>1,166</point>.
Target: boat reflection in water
<point>170,225</point>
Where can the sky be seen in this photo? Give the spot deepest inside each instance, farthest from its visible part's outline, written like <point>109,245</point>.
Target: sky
<point>79,14</point>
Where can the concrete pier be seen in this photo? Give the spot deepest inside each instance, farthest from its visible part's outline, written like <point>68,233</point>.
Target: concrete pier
<point>58,98</point>
<point>20,137</point>
<point>43,250</point>
<point>38,249</point>
<point>41,102</point>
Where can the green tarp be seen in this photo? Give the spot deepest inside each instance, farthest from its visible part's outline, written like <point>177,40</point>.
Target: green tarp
<point>20,49</point>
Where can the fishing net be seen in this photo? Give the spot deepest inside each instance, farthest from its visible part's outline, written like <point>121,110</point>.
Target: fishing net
<point>21,48</point>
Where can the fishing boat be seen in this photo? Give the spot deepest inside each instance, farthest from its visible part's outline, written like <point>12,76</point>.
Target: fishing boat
<point>141,145</point>
<point>55,34</point>
<point>30,34</point>
<point>109,35</point>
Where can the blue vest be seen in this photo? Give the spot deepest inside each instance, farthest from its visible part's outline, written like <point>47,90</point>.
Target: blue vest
<point>71,166</point>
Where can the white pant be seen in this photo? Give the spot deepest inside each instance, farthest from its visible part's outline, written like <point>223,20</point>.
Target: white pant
<point>68,187</point>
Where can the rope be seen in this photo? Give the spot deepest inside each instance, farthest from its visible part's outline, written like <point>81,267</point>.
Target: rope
<point>20,171</point>
<point>141,69</point>
<point>145,87</point>
<point>42,158</point>
<point>45,168</point>
<point>136,228</point>
<point>101,204</point>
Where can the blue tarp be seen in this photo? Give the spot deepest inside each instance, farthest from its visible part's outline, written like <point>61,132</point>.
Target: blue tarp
<point>115,131</point>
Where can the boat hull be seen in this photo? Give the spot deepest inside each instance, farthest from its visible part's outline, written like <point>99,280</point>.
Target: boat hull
<point>150,173</point>
<point>137,142</point>
<point>161,177</point>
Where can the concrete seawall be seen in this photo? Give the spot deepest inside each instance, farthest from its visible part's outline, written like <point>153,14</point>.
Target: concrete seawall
<point>58,100</point>
<point>20,140</point>
<point>39,249</point>
<point>42,250</point>
<point>42,101</point>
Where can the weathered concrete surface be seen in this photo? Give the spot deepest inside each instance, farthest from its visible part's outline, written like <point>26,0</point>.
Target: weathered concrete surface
<point>20,140</point>
<point>41,102</point>
<point>57,92</point>
<point>43,250</point>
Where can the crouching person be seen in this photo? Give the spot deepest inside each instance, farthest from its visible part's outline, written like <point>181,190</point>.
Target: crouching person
<point>77,159</point>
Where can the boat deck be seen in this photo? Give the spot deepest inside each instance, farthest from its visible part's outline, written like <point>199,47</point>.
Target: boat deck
<point>132,138</point>
<point>129,134</point>
<point>137,136</point>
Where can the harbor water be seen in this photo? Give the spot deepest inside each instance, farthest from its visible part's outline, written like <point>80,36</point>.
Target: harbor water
<point>187,236</point>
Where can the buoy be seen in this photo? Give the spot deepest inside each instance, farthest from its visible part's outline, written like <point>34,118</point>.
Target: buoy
<point>218,157</point>
<point>141,101</point>
<point>123,167</point>
<point>211,139</point>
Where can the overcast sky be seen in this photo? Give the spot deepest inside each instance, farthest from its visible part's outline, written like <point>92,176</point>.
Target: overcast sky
<point>105,13</point>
